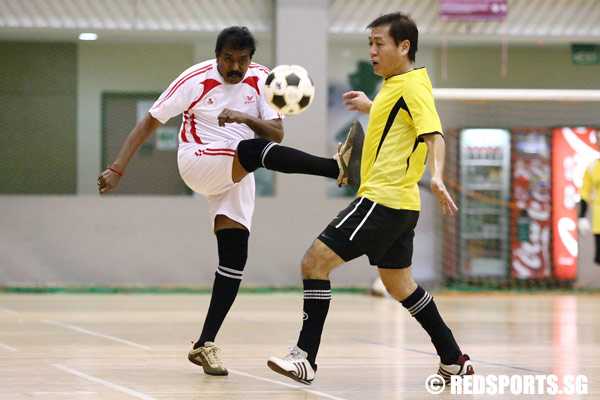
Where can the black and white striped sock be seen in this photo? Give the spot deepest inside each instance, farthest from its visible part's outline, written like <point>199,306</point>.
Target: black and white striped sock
<point>233,252</point>
<point>317,296</point>
<point>420,305</point>
<point>230,272</point>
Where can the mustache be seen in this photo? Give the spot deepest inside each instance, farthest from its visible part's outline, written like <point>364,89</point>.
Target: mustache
<point>232,74</point>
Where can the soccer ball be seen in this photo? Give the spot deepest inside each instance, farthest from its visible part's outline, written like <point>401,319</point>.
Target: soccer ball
<point>378,288</point>
<point>289,90</point>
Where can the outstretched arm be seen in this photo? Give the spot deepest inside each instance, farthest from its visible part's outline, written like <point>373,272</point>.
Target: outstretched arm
<point>109,179</point>
<point>437,153</point>
<point>271,129</point>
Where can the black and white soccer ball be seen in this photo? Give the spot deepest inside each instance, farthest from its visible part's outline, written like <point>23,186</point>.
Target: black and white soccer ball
<point>289,90</point>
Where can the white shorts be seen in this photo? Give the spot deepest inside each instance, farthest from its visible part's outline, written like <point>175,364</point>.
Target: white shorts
<point>206,169</point>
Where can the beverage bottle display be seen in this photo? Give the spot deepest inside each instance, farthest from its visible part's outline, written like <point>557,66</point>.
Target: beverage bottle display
<point>522,224</point>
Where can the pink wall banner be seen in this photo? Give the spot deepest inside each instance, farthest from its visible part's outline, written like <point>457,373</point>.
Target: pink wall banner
<point>473,10</point>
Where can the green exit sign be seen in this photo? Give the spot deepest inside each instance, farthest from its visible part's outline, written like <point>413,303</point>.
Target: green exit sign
<point>585,54</point>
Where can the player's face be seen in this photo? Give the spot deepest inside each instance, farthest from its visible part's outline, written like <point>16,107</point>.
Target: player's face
<point>387,58</point>
<point>233,64</point>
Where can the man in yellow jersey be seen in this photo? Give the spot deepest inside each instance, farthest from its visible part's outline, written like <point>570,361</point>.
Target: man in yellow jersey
<point>589,193</point>
<point>404,128</point>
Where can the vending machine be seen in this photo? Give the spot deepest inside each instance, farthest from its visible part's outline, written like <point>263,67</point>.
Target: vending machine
<point>484,179</point>
<point>573,150</point>
<point>517,193</point>
<point>531,201</point>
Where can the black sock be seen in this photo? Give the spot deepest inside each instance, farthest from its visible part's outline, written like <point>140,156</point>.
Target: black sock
<point>317,296</point>
<point>597,257</point>
<point>233,252</point>
<point>420,304</point>
<point>257,153</point>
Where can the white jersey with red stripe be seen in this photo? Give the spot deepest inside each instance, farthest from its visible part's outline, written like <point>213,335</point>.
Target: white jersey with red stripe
<point>200,93</point>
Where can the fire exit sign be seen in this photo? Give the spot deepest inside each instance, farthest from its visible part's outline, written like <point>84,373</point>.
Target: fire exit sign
<point>585,54</point>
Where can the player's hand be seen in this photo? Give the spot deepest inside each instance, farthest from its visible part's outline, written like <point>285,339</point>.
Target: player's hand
<point>583,226</point>
<point>228,116</point>
<point>357,101</point>
<point>107,181</point>
<point>447,205</point>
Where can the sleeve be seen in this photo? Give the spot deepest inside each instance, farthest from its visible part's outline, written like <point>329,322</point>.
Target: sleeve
<point>586,187</point>
<point>175,99</point>
<point>419,100</point>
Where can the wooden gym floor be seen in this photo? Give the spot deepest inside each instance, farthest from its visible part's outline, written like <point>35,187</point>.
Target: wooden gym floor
<point>124,346</point>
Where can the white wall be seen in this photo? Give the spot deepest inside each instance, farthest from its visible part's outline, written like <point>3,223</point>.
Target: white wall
<point>117,68</point>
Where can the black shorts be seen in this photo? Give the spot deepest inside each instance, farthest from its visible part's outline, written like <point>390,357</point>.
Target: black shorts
<point>384,234</point>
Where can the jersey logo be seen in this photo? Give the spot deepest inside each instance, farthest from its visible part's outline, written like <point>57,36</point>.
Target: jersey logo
<point>249,100</point>
<point>211,101</point>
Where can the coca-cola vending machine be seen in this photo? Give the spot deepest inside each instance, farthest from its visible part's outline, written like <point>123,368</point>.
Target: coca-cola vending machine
<point>531,211</point>
<point>484,179</point>
<point>573,151</point>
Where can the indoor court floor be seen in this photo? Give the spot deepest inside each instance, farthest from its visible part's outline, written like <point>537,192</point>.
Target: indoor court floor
<point>126,346</point>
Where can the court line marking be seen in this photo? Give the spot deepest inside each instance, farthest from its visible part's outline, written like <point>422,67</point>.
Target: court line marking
<point>103,382</point>
<point>8,310</point>
<point>435,355</point>
<point>79,392</point>
<point>315,392</point>
<point>7,347</point>
<point>88,332</point>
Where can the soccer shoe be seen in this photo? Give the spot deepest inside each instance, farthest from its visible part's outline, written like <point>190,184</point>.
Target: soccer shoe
<point>349,154</point>
<point>206,356</point>
<point>462,367</point>
<point>294,365</point>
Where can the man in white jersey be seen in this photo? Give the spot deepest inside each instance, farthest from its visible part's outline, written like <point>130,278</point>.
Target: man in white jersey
<point>223,110</point>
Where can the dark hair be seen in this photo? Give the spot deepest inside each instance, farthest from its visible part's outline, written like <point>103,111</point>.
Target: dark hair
<point>237,37</point>
<point>402,27</point>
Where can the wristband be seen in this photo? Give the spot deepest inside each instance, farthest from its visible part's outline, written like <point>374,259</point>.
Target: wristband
<point>114,170</point>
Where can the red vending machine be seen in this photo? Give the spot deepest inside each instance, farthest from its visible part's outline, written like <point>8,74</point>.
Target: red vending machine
<point>531,211</point>
<point>573,150</point>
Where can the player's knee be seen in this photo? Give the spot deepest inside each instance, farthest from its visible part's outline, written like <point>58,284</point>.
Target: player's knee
<point>398,282</point>
<point>399,293</point>
<point>251,153</point>
<point>315,263</point>
<point>233,248</point>
<point>308,268</point>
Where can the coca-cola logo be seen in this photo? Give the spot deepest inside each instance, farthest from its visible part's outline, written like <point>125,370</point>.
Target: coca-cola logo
<point>566,232</point>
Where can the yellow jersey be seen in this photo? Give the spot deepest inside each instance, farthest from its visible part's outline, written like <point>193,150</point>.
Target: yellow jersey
<point>394,154</point>
<point>589,192</point>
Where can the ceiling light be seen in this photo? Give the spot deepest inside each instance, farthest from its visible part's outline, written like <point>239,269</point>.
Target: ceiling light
<point>88,36</point>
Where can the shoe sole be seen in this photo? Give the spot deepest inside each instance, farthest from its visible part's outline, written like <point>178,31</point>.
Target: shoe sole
<point>195,360</point>
<point>283,372</point>
<point>358,140</point>
<point>468,371</point>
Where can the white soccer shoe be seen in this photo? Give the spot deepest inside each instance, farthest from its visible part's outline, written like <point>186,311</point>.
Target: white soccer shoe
<point>462,367</point>
<point>294,365</point>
